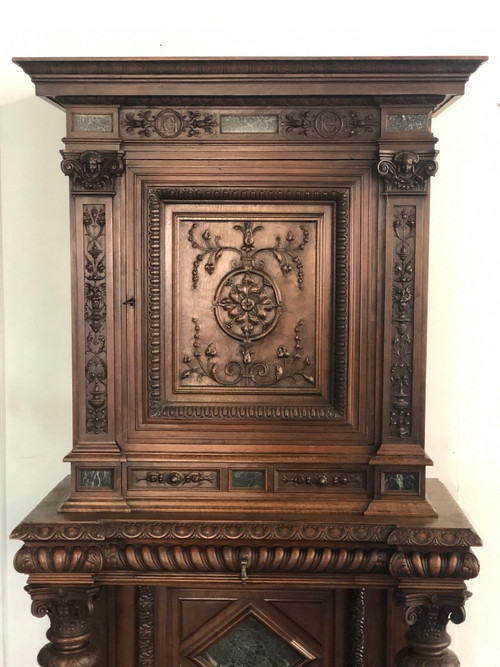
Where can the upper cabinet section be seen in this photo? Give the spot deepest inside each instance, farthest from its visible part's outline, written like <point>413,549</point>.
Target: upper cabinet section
<point>250,277</point>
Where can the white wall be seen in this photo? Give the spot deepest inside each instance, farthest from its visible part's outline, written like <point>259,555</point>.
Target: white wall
<point>463,368</point>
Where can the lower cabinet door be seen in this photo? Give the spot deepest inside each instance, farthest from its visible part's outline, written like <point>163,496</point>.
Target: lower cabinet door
<point>156,626</point>
<point>250,628</point>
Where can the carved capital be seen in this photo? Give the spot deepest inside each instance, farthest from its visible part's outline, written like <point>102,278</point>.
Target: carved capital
<point>406,171</point>
<point>30,560</point>
<point>428,615</point>
<point>434,564</point>
<point>92,171</point>
<point>68,609</point>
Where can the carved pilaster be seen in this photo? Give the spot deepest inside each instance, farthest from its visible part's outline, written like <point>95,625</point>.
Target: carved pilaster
<point>96,362</point>
<point>406,171</point>
<point>356,627</point>
<point>68,609</point>
<point>92,171</point>
<point>145,626</point>
<point>428,614</point>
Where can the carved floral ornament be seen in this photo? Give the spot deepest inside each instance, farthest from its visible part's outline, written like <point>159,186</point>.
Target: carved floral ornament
<point>247,305</point>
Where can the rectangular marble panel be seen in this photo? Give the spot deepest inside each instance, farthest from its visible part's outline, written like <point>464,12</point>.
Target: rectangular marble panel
<point>405,482</point>
<point>408,122</point>
<point>249,124</point>
<point>96,478</point>
<point>248,479</point>
<point>92,122</point>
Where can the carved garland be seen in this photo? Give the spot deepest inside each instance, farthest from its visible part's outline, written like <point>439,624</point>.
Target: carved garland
<point>96,371</point>
<point>403,301</point>
<point>208,253</point>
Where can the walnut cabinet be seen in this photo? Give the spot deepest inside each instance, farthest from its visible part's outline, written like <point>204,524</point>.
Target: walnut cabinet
<point>248,471</point>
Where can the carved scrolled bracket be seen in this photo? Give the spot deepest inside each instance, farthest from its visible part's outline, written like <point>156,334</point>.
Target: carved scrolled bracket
<point>406,171</point>
<point>434,564</point>
<point>428,615</point>
<point>92,171</point>
<point>68,609</point>
<point>30,560</point>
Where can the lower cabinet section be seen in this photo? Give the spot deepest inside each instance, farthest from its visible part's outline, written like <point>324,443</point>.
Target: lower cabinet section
<point>156,626</point>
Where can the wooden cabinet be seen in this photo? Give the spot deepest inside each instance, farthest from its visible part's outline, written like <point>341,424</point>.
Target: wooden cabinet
<point>249,245</point>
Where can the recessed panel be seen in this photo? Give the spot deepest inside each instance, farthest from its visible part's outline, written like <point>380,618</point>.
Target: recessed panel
<point>245,296</point>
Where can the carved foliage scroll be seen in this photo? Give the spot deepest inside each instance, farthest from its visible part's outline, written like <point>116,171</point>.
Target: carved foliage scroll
<point>96,371</point>
<point>325,123</point>
<point>403,298</point>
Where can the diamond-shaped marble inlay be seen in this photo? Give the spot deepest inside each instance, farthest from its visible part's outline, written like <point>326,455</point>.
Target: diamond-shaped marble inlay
<point>251,644</point>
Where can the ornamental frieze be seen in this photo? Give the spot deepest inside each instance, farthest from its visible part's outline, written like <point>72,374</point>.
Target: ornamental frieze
<point>324,123</point>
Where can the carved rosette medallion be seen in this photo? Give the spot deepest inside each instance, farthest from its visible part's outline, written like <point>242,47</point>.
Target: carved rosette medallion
<point>403,298</point>
<point>92,170</point>
<point>96,371</point>
<point>328,123</point>
<point>247,304</point>
<point>406,171</point>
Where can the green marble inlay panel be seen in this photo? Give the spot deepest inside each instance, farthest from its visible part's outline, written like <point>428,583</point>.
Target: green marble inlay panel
<point>249,124</point>
<point>98,478</point>
<point>401,481</point>
<point>248,479</point>
<point>407,122</point>
<point>92,122</point>
<point>251,645</point>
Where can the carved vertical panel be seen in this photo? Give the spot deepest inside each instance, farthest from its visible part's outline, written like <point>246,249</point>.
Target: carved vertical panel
<point>403,302</point>
<point>145,626</point>
<point>96,364</point>
<point>356,627</point>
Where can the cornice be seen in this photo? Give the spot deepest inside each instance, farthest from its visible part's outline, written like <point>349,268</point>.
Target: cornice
<point>117,79</point>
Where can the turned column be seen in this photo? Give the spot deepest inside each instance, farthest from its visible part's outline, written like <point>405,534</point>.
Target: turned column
<point>69,609</point>
<point>428,615</point>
